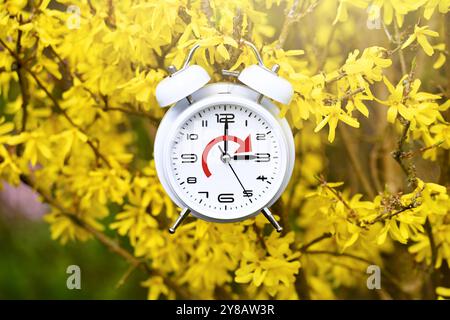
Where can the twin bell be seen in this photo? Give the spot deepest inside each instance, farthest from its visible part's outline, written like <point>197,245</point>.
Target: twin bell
<point>180,84</point>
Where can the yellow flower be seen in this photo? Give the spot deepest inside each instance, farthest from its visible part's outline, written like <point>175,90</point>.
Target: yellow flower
<point>420,34</point>
<point>412,105</point>
<point>443,292</point>
<point>156,288</point>
<point>442,133</point>
<point>430,7</point>
<point>5,128</point>
<point>333,115</point>
<point>342,11</point>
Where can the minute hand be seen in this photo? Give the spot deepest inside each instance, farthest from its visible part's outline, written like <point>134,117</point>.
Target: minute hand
<point>225,141</point>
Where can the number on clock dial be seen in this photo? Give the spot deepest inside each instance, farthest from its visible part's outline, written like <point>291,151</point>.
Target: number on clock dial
<point>221,155</point>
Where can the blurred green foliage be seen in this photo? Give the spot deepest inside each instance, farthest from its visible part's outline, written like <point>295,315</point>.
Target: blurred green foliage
<point>32,266</point>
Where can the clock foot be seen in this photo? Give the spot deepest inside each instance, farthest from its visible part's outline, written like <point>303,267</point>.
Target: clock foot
<point>271,219</point>
<point>183,214</point>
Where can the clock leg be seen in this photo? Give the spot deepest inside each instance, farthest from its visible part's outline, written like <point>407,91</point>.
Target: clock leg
<point>183,214</point>
<point>272,220</point>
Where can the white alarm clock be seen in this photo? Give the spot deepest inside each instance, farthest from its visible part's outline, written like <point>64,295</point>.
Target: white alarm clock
<point>222,153</point>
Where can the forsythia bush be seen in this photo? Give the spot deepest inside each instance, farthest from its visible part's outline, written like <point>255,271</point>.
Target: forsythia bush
<point>78,117</point>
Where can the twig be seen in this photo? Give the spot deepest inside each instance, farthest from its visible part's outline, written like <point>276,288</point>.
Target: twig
<point>324,184</point>
<point>341,75</point>
<point>401,55</point>
<point>433,276</point>
<point>429,230</point>
<point>355,161</point>
<point>207,10</point>
<point>126,275</point>
<point>301,285</point>
<point>136,112</point>
<point>186,18</point>
<point>91,7</point>
<point>350,94</point>
<point>383,217</point>
<point>413,153</point>
<point>352,213</point>
<point>388,34</point>
<point>306,246</point>
<point>349,145</point>
<point>287,23</point>
<point>339,254</point>
<point>373,166</point>
<point>154,121</point>
<point>23,83</point>
<point>397,154</point>
<point>292,17</point>
<point>110,19</point>
<point>237,35</point>
<point>260,237</point>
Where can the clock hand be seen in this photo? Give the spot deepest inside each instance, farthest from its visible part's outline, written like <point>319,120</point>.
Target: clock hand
<point>244,157</point>
<point>225,141</point>
<point>234,172</point>
<point>239,180</point>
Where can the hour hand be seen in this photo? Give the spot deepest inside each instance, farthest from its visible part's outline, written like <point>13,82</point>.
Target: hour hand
<point>244,157</point>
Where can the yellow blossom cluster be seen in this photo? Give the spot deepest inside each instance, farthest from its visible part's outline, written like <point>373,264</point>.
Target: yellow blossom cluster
<point>78,118</point>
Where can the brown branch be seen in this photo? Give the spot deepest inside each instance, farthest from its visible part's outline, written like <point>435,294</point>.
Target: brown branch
<point>23,83</point>
<point>384,217</point>
<point>324,184</point>
<point>91,7</point>
<point>397,154</point>
<point>292,17</point>
<point>401,54</point>
<point>126,275</point>
<point>295,178</point>
<point>413,153</point>
<point>429,230</point>
<point>373,167</point>
<point>306,246</point>
<point>301,285</point>
<point>208,11</point>
<point>434,280</point>
<point>341,75</point>
<point>260,237</point>
<point>349,145</point>
<point>154,121</point>
<point>408,168</point>
<point>186,18</point>
<point>108,242</point>
<point>340,254</point>
<point>350,94</point>
<point>56,104</point>
<point>110,19</point>
<point>237,36</point>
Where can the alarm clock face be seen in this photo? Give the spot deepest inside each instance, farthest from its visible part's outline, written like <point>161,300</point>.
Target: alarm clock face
<point>226,160</point>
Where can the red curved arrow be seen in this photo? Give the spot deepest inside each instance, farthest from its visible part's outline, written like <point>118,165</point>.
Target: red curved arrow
<point>244,146</point>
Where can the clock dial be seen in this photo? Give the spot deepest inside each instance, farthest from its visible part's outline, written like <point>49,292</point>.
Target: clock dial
<point>227,161</point>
